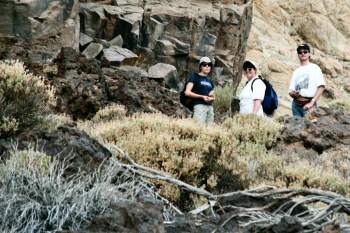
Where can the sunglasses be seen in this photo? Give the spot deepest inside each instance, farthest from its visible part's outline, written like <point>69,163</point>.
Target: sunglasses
<point>204,64</point>
<point>248,69</point>
<point>303,52</point>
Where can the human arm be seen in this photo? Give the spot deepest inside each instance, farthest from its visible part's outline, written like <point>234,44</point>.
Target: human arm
<point>190,93</point>
<point>256,105</point>
<point>258,94</point>
<point>292,92</point>
<point>316,97</point>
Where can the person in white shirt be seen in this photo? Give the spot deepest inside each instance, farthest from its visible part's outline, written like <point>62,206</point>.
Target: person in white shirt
<point>253,93</point>
<point>307,83</point>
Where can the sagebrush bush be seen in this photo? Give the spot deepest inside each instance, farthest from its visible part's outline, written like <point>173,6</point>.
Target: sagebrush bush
<point>340,104</point>
<point>223,98</point>
<point>24,98</point>
<point>111,112</point>
<point>35,196</point>
<point>176,146</point>
<point>201,156</point>
<point>253,129</point>
<point>220,157</point>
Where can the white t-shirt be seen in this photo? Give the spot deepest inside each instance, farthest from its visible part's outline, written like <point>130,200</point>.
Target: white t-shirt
<point>247,96</point>
<point>306,79</point>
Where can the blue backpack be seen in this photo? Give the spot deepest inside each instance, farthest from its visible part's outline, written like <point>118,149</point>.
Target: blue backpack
<point>270,102</point>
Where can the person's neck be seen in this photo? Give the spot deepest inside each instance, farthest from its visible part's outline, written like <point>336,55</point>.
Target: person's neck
<point>251,78</point>
<point>304,63</point>
<point>202,74</point>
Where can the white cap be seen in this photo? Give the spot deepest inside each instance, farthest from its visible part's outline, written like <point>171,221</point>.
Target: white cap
<point>204,59</point>
<point>250,62</point>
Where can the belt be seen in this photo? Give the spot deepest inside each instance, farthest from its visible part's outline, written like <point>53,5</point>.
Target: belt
<point>301,100</point>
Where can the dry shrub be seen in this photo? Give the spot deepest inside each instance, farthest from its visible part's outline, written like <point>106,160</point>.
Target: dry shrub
<point>111,112</point>
<point>340,104</point>
<point>52,121</point>
<point>35,196</point>
<point>24,98</point>
<point>233,155</point>
<point>208,156</point>
<point>253,129</point>
<point>223,98</point>
<point>176,146</point>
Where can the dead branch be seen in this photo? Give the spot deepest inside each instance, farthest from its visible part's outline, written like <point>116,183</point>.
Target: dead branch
<point>268,206</point>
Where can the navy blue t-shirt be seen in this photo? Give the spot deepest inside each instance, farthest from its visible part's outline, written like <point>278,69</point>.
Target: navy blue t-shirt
<point>202,85</point>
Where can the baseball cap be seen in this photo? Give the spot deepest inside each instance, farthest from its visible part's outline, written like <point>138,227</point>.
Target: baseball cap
<point>303,46</point>
<point>204,59</point>
<point>249,64</point>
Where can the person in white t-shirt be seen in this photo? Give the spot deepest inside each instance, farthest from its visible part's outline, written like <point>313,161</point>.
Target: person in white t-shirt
<point>307,83</point>
<point>253,93</point>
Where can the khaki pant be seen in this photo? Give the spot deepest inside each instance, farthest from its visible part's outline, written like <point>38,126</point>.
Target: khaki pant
<point>204,114</point>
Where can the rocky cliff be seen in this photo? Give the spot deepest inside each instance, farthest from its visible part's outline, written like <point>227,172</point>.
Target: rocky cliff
<point>278,26</point>
<point>158,42</point>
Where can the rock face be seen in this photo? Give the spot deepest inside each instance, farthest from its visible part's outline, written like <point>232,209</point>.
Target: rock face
<point>175,32</point>
<point>124,33</point>
<point>66,143</point>
<point>330,130</point>
<point>279,26</point>
<point>40,27</point>
<point>128,217</point>
<point>84,87</point>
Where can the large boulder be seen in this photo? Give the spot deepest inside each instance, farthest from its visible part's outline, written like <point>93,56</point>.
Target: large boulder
<point>64,142</point>
<point>165,72</point>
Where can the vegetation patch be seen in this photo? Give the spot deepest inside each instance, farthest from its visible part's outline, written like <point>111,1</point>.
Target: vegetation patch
<point>24,98</point>
<point>35,196</point>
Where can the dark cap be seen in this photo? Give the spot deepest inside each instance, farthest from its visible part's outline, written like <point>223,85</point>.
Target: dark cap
<point>303,46</point>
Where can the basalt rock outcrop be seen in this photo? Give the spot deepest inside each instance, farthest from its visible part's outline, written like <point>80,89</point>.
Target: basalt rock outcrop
<point>35,31</point>
<point>65,142</point>
<point>326,128</point>
<point>129,35</point>
<point>84,86</point>
<point>173,32</point>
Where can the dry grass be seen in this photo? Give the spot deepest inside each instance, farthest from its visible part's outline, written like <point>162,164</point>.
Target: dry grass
<point>35,196</point>
<point>223,98</point>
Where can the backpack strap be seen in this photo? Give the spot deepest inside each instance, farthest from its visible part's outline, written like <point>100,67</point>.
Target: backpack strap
<point>259,77</point>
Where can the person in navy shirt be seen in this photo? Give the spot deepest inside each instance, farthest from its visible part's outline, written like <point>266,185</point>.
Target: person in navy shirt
<point>201,89</point>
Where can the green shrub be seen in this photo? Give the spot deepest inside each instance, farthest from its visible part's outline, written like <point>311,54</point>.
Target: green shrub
<point>223,98</point>
<point>24,98</point>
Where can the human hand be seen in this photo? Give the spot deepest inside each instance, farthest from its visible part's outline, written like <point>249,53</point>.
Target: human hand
<point>294,94</point>
<point>309,105</point>
<point>208,98</point>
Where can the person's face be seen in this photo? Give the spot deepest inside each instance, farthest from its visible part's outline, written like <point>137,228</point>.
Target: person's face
<point>206,67</point>
<point>250,72</point>
<point>303,55</point>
